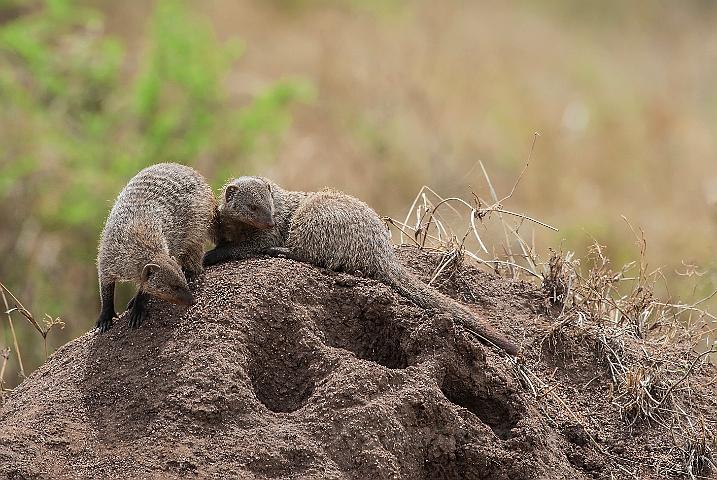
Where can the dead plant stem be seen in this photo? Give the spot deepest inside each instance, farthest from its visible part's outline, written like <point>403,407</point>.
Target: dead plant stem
<point>3,289</point>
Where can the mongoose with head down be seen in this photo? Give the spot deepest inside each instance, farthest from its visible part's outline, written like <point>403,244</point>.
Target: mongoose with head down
<point>155,236</point>
<point>329,229</point>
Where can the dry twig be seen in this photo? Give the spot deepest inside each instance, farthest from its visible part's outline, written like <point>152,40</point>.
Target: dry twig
<point>12,327</point>
<point>48,321</point>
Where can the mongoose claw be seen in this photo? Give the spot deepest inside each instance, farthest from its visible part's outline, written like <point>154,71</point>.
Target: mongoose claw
<point>139,310</point>
<point>189,276</point>
<point>104,322</point>
<point>136,318</point>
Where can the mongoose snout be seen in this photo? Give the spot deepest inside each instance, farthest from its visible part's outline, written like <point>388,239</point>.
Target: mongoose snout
<point>167,282</point>
<point>183,299</point>
<point>154,237</point>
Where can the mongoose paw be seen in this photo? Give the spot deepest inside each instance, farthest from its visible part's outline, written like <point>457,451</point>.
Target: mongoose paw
<point>104,322</point>
<point>211,258</point>
<point>136,317</point>
<point>190,276</point>
<point>139,310</point>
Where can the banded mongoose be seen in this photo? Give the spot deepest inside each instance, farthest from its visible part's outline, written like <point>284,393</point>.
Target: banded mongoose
<point>155,236</point>
<point>329,229</point>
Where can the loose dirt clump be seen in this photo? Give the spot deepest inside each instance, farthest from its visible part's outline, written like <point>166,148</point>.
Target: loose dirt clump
<point>284,370</point>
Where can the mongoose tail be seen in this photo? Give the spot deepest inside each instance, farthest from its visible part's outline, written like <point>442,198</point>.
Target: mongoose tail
<point>410,287</point>
<point>413,289</point>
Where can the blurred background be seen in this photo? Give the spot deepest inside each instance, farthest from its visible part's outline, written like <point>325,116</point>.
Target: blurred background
<point>373,97</point>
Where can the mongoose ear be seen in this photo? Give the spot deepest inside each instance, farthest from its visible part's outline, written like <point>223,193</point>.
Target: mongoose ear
<point>148,270</point>
<point>230,191</point>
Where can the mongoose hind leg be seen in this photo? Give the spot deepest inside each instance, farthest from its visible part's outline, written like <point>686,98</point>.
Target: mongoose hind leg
<point>139,309</point>
<point>107,294</point>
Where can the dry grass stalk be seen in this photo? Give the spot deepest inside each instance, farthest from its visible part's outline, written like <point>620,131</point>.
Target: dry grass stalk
<point>12,329</point>
<point>432,231</point>
<point>48,320</point>
<point>698,446</point>
<point>5,355</point>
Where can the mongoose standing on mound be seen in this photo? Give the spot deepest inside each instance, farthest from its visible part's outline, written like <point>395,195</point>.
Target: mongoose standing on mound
<point>329,229</point>
<point>157,228</point>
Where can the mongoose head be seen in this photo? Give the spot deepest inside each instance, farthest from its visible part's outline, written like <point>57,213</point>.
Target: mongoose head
<point>248,200</point>
<point>165,279</point>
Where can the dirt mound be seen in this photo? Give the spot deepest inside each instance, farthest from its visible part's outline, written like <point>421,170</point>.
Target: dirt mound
<point>283,370</point>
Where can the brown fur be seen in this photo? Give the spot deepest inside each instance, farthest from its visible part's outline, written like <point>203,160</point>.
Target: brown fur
<point>157,227</point>
<point>329,229</point>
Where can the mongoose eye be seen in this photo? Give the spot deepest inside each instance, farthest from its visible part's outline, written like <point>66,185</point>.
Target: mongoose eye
<point>253,208</point>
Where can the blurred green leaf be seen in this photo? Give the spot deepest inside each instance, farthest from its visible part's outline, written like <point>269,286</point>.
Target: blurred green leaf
<point>268,115</point>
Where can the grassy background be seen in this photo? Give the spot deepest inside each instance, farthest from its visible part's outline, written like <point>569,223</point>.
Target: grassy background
<point>376,98</point>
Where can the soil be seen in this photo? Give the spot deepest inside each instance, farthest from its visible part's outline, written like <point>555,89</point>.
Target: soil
<point>284,370</point>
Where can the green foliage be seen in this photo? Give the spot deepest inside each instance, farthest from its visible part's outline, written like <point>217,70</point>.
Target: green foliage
<point>264,121</point>
<point>72,133</point>
<point>178,95</point>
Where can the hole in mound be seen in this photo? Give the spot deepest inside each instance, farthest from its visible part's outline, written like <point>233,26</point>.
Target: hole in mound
<point>282,392</point>
<point>370,335</point>
<point>281,372</point>
<point>380,342</point>
<point>494,411</point>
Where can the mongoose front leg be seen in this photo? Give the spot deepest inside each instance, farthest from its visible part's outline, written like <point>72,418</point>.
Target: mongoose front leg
<point>191,263</point>
<point>107,296</point>
<point>139,309</point>
<point>226,252</point>
<point>219,254</point>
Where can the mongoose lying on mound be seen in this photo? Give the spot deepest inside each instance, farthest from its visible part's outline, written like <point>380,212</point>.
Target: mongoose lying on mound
<point>329,229</point>
<point>247,217</point>
<point>157,227</point>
